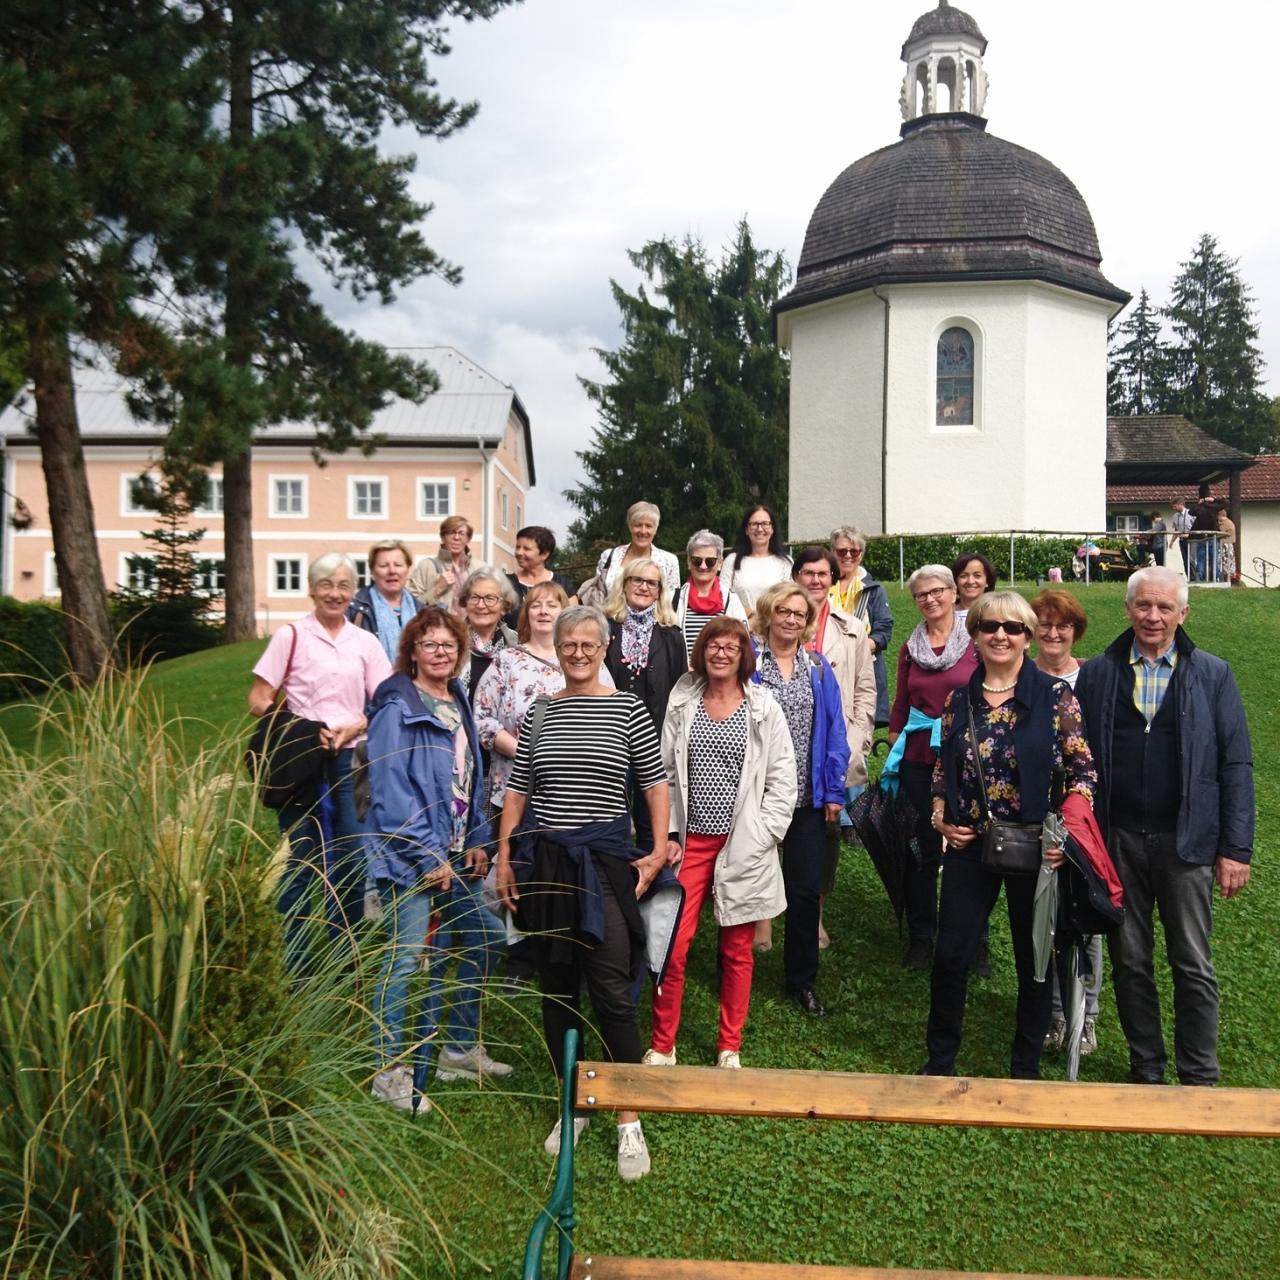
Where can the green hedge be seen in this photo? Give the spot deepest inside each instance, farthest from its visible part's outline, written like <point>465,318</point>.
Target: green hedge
<point>1032,557</point>
<point>32,648</point>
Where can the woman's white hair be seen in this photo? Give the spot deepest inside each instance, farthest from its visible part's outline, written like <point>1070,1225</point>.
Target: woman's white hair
<point>327,565</point>
<point>485,573</point>
<point>578,615</point>
<point>705,538</point>
<point>926,571</point>
<point>638,509</point>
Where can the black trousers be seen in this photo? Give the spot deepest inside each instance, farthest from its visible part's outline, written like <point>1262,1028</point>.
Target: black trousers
<point>607,968</point>
<point>803,848</point>
<point>968,894</point>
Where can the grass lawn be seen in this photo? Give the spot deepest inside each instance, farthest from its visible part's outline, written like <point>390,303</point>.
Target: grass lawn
<point>868,1194</point>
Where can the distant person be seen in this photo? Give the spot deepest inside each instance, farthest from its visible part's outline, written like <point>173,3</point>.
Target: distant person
<point>858,593</point>
<point>535,545</point>
<point>1175,803</point>
<point>1226,545</point>
<point>1159,534</point>
<point>758,559</point>
<point>643,519</point>
<point>1182,520</point>
<point>1204,527</point>
<point>436,579</point>
<point>385,606</point>
<point>973,574</point>
<point>704,596</point>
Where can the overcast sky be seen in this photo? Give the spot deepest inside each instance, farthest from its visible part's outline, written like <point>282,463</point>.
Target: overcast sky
<point>603,125</point>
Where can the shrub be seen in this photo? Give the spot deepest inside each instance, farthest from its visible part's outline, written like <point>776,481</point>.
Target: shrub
<point>1032,557</point>
<point>152,629</point>
<point>32,656</point>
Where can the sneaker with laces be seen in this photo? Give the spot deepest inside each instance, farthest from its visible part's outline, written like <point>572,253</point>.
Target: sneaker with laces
<point>633,1152</point>
<point>1056,1034</point>
<point>1088,1038</point>
<point>395,1086</point>
<point>656,1058</point>
<point>729,1058</point>
<point>552,1144</point>
<point>469,1064</point>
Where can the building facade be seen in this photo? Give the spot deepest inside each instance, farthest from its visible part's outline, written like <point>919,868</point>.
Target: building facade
<point>467,450</point>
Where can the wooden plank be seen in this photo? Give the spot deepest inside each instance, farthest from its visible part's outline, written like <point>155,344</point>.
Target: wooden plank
<point>597,1267</point>
<point>962,1100</point>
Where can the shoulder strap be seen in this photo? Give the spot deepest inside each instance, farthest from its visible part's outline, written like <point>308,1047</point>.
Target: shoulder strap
<point>977,758</point>
<point>540,705</point>
<point>288,665</point>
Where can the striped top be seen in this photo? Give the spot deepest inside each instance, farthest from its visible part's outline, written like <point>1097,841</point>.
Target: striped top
<point>585,748</point>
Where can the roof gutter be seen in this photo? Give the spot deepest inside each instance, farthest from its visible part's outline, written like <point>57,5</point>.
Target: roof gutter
<point>884,419</point>
<point>486,503</point>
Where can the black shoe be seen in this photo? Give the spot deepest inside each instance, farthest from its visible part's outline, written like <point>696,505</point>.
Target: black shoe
<point>1144,1077</point>
<point>807,999</point>
<point>982,961</point>
<point>918,955</point>
<point>930,1070</point>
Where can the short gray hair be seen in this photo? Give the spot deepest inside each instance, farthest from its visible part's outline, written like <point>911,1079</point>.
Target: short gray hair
<point>485,573</point>
<point>637,509</point>
<point>705,538</point>
<point>578,615</point>
<point>328,564</point>
<point>852,534</point>
<point>939,571</point>
<point>1157,576</point>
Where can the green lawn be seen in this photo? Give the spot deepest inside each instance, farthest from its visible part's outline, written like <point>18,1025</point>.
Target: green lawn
<point>868,1194</point>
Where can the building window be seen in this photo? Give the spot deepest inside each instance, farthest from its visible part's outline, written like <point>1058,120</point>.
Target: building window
<point>955,378</point>
<point>139,574</point>
<point>435,499</point>
<point>1128,523</point>
<point>289,496</point>
<point>135,490</point>
<point>287,576</point>
<point>367,498</point>
<point>211,578</point>
<point>51,586</point>
<point>519,517</point>
<point>212,504</point>
<point>506,523</point>
<point>363,577</point>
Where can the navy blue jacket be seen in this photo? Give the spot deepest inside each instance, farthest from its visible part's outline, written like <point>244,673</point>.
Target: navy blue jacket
<point>409,826</point>
<point>1216,816</point>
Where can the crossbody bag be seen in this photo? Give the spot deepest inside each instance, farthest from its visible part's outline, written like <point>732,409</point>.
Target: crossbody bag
<point>1008,848</point>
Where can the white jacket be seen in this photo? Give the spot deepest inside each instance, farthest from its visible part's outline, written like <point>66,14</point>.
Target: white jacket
<point>845,647</point>
<point>747,882</point>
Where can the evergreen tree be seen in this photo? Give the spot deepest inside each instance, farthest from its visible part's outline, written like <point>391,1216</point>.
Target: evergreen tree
<point>694,416</point>
<point>1137,369</point>
<point>1215,365</point>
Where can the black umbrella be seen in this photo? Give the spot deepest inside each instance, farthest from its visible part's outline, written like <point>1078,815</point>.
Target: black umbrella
<point>886,826</point>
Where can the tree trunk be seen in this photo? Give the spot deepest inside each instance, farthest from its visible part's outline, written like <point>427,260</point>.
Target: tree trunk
<point>75,543</point>
<point>237,524</point>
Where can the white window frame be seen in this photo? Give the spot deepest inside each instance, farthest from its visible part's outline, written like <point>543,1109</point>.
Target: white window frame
<point>978,334</point>
<point>52,588</point>
<point>127,481</point>
<point>278,478</point>
<point>273,561</point>
<point>211,560</point>
<point>505,503</point>
<point>449,485</point>
<point>123,580</point>
<point>364,578</point>
<point>1128,522</point>
<point>519,517</point>
<point>210,507</point>
<point>384,493</point>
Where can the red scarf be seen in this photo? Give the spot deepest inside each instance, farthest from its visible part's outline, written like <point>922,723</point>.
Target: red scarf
<point>710,604</point>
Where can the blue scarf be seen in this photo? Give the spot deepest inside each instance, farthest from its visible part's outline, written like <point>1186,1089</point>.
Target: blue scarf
<point>390,622</point>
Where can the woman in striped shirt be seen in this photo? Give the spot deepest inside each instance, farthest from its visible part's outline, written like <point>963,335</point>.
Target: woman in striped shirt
<point>574,878</point>
<point>704,596</point>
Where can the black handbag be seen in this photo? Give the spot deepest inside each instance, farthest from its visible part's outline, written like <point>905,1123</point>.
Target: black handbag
<point>1008,848</point>
<point>284,757</point>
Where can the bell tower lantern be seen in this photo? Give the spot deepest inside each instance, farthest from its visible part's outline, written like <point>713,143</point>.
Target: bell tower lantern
<point>944,75</point>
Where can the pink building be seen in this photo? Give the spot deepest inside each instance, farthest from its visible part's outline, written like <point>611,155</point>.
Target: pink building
<point>466,450</point>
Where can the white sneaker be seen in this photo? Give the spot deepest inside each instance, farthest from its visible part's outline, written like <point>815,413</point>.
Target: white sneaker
<point>469,1064</point>
<point>552,1145</point>
<point>1088,1038</point>
<point>633,1153</point>
<point>656,1058</point>
<point>396,1087</point>
<point>729,1058</point>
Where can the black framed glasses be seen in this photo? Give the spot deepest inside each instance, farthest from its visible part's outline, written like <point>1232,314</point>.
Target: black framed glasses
<point>649,584</point>
<point>438,646</point>
<point>989,626</point>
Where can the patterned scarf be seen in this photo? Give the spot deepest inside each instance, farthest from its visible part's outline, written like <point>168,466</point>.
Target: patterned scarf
<point>921,652</point>
<point>392,621</point>
<point>637,631</point>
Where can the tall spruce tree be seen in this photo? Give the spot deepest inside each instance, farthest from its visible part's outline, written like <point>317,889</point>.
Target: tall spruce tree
<point>1137,371</point>
<point>1215,366</point>
<point>309,89</point>
<point>694,416</point>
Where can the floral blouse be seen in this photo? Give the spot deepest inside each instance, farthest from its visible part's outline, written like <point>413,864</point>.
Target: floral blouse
<point>795,697</point>
<point>994,726</point>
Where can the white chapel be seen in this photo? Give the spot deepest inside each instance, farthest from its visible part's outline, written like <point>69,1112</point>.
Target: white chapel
<point>948,325</point>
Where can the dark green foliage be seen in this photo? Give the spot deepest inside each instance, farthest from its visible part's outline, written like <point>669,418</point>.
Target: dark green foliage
<point>1138,362</point>
<point>694,416</point>
<point>1032,557</point>
<point>32,653</point>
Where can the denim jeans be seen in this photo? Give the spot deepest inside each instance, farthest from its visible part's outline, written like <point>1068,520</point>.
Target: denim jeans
<point>1155,878</point>
<point>467,932</point>
<point>326,851</point>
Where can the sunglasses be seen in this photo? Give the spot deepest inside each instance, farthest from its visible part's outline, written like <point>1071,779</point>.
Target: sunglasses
<point>704,562</point>
<point>989,626</point>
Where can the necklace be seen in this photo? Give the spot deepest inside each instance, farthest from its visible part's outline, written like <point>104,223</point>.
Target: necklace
<point>999,688</point>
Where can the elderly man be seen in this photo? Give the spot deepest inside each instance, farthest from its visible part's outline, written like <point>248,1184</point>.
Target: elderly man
<point>1175,799</point>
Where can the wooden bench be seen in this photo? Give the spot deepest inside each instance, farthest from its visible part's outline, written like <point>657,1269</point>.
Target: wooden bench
<point>884,1099</point>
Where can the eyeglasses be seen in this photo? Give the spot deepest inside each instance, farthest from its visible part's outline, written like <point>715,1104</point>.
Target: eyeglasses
<point>724,650</point>
<point>438,646</point>
<point>704,562</point>
<point>760,525</point>
<point>587,648</point>
<point>934,593</point>
<point>1046,627</point>
<point>487,601</point>
<point>342,588</point>
<point>989,626</point>
<point>649,584</point>
<point>799,615</point>
<point>848,553</point>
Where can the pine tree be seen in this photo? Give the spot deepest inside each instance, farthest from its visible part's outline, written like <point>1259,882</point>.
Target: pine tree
<point>694,415</point>
<point>1215,365</point>
<point>1137,370</point>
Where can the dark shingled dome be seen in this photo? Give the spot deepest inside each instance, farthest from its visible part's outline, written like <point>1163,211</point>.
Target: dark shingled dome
<point>949,201</point>
<point>944,21</point>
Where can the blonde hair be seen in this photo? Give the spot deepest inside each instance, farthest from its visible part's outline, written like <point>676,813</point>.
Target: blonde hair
<point>1000,604</point>
<point>536,592</point>
<point>637,509</point>
<point>771,598</point>
<point>389,544</point>
<point>616,605</point>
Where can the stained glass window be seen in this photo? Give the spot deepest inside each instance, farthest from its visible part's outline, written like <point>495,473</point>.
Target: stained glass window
<point>955,378</point>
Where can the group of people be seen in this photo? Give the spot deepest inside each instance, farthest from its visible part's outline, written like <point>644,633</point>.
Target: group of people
<point>1206,538</point>
<point>513,769</point>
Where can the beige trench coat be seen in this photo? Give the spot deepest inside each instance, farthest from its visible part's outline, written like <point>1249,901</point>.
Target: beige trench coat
<point>845,647</point>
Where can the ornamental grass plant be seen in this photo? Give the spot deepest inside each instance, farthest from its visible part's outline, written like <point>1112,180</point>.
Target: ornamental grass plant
<point>168,1107</point>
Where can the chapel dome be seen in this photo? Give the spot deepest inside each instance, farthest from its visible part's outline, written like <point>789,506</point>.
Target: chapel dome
<point>949,201</point>
<point>944,21</point>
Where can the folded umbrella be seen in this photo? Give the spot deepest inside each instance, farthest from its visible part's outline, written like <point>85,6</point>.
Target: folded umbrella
<point>886,827</point>
<point>1044,907</point>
